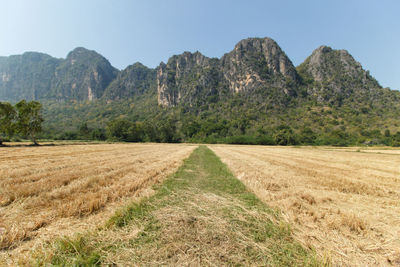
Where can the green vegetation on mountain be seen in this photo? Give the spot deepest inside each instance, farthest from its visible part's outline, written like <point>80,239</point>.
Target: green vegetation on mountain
<point>333,76</point>
<point>136,79</point>
<point>28,76</point>
<point>83,75</point>
<point>252,95</point>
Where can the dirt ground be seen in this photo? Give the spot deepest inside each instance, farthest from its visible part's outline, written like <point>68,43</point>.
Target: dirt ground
<point>49,191</point>
<point>345,202</point>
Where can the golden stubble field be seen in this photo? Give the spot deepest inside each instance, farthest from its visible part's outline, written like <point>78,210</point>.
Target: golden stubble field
<point>344,202</point>
<point>50,191</point>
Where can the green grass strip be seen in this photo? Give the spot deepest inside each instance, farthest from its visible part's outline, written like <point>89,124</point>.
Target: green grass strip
<point>202,215</point>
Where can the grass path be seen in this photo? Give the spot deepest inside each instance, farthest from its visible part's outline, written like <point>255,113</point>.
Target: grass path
<point>200,216</point>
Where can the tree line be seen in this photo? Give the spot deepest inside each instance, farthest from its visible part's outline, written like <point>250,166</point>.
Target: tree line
<point>324,128</point>
<point>175,130</point>
<point>24,118</point>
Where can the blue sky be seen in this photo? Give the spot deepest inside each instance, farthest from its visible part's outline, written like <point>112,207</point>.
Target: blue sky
<point>150,31</point>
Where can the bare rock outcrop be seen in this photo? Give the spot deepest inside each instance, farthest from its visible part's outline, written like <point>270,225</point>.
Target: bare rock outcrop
<point>254,63</point>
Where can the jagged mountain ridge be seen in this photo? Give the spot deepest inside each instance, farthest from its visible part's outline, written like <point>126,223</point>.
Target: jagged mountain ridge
<point>253,90</point>
<point>257,61</point>
<point>133,80</point>
<point>26,76</point>
<point>187,77</point>
<point>83,75</point>
<point>335,73</point>
<point>255,64</point>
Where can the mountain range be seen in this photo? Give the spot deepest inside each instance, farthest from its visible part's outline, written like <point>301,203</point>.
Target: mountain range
<point>253,89</point>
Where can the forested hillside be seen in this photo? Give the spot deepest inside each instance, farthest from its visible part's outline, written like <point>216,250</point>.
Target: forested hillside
<point>253,94</point>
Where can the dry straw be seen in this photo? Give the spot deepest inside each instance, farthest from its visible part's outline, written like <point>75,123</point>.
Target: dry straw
<point>49,191</point>
<point>344,203</point>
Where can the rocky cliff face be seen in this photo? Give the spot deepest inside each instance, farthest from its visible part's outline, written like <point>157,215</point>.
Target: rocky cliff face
<point>335,73</point>
<point>134,80</point>
<point>253,63</point>
<point>187,78</point>
<point>83,75</point>
<point>256,62</point>
<point>256,68</point>
<point>26,76</point>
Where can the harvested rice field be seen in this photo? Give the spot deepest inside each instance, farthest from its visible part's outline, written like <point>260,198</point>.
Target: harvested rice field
<point>50,191</point>
<point>199,216</point>
<point>344,202</point>
<point>169,204</point>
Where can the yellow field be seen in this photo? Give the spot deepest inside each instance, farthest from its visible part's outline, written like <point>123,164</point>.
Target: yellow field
<point>343,202</point>
<point>50,191</point>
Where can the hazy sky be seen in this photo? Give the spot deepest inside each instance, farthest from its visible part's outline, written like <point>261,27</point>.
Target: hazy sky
<point>151,31</point>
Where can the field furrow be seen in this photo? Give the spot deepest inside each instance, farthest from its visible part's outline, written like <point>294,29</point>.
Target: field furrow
<point>52,190</point>
<point>344,203</point>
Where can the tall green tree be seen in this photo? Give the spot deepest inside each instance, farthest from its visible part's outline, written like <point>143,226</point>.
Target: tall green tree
<point>7,120</point>
<point>84,131</point>
<point>285,136</point>
<point>29,119</point>
<point>118,129</point>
